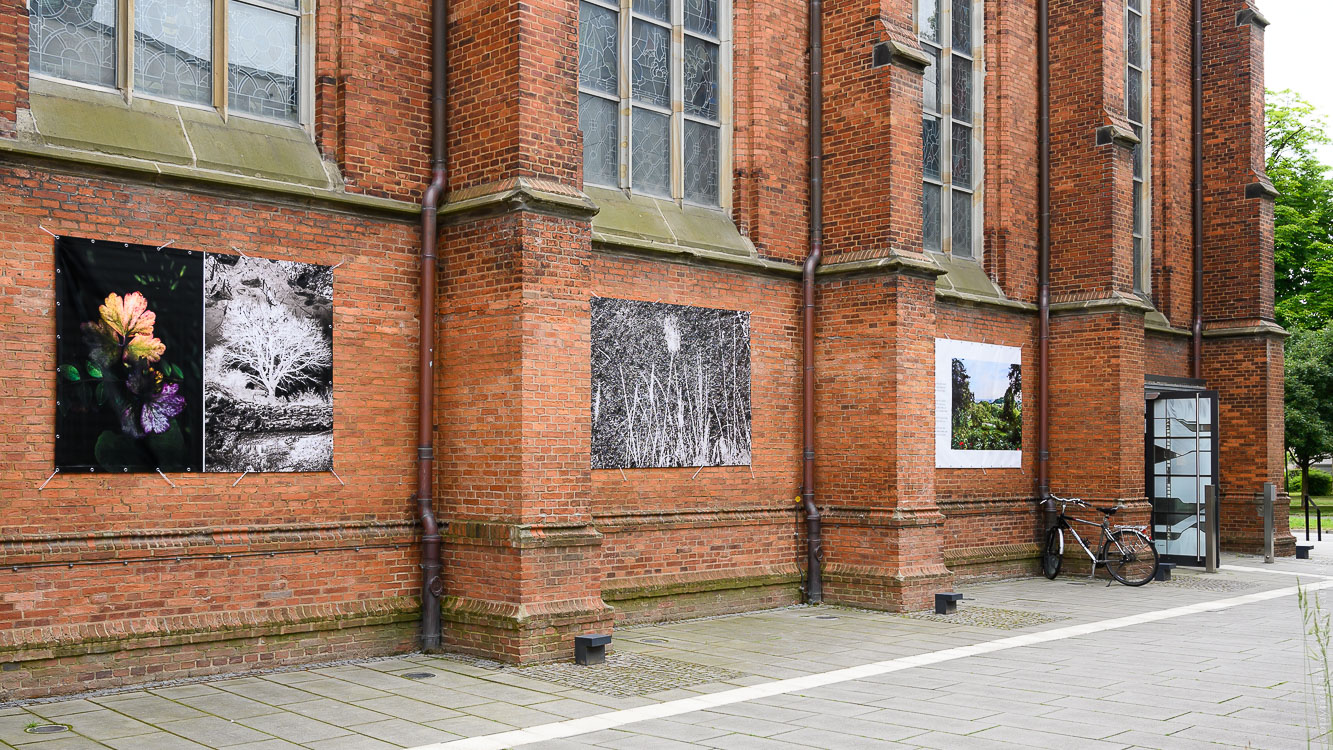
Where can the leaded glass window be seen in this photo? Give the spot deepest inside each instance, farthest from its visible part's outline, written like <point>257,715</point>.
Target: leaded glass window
<point>651,88</point>
<point>73,39</point>
<point>246,57</point>
<point>950,35</point>
<point>1136,109</point>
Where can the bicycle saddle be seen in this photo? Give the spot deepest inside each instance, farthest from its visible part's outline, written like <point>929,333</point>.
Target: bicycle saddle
<point>1108,511</point>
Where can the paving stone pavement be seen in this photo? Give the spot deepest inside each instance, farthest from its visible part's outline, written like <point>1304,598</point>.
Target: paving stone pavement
<point>1236,677</point>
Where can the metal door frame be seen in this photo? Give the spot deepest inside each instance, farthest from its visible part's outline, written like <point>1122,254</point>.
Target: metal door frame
<point>1211,525</point>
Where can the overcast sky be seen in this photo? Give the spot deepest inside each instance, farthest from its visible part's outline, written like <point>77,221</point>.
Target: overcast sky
<point>1296,48</point>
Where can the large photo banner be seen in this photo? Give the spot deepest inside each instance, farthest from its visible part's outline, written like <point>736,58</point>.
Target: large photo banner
<point>670,385</point>
<point>129,357</point>
<point>178,360</point>
<point>978,405</point>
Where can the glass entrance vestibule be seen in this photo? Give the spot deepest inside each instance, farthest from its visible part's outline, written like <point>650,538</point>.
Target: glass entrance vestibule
<point>1181,460</point>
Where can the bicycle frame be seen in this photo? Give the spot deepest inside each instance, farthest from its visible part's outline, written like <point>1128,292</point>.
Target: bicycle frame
<point>1107,530</point>
<point>1063,522</point>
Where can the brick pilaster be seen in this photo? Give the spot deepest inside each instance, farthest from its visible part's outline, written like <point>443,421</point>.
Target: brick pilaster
<point>876,398</point>
<point>1242,355</point>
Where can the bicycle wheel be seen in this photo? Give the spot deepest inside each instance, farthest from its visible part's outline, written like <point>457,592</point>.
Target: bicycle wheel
<point>1131,557</point>
<point>1052,556</point>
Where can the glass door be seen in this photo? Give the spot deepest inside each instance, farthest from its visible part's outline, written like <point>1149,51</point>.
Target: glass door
<point>1181,461</point>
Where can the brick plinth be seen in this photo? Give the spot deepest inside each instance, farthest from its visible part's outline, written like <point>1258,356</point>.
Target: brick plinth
<point>522,560</point>
<point>876,473</point>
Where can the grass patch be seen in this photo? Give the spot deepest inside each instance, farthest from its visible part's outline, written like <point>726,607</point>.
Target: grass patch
<point>1298,513</point>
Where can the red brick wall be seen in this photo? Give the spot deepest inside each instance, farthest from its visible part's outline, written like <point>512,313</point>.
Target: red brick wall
<point>682,526</point>
<point>81,518</point>
<point>14,61</point>
<point>371,79</point>
<point>770,134</point>
<point>992,513</point>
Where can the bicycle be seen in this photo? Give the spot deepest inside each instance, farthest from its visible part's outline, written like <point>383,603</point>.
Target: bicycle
<point>1128,554</point>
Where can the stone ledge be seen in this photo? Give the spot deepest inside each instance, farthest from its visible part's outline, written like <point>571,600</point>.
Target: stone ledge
<point>1156,322</point>
<point>876,262</point>
<point>1115,301</point>
<point>519,535</point>
<point>675,584</point>
<point>618,521</point>
<point>512,616</point>
<point>1263,328</point>
<point>991,554</point>
<point>966,506</point>
<point>57,641</point>
<point>881,518</point>
<point>205,181</point>
<point>536,194</point>
<point>19,549</point>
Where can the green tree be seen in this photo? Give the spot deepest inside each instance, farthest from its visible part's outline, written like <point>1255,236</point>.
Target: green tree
<point>1303,212</point>
<point>1308,400</point>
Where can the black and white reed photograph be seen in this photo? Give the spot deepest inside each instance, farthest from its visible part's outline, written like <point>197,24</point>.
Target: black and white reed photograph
<point>268,365</point>
<point>670,385</point>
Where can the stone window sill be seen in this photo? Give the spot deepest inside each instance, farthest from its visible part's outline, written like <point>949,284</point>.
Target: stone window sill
<point>82,119</point>
<point>647,224</point>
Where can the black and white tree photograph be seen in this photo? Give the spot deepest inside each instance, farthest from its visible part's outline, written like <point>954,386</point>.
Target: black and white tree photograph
<point>268,365</point>
<point>670,385</point>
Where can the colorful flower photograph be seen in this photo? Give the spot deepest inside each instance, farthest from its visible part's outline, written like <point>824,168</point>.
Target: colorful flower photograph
<point>129,324</point>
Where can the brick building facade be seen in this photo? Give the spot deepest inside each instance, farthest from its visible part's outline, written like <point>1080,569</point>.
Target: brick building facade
<point>108,580</point>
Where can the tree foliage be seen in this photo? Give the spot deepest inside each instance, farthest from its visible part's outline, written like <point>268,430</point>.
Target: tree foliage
<point>1303,212</point>
<point>1309,397</point>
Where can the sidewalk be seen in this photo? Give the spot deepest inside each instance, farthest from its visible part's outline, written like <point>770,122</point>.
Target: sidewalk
<point>1094,666</point>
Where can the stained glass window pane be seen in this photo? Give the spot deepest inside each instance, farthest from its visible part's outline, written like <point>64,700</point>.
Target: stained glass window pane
<point>1138,155</point>
<point>1134,41</point>
<point>962,89</point>
<point>1138,264</point>
<point>649,57</point>
<point>930,217</point>
<point>261,62</point>
<point>659,9</point>
<point>701,163</point>
<point>173,55</point>
<point>700,78</point>
<point>962,155</point>
<point>73,39</point>
<point>1134,95</point>
<point>598,48</point>
<point>1138,207</point>
<point>701,16</point>
<point>961,216</point>
<point>962,26</point>
<point>650,153</point>
<point>599,121</point>
<point>929,19</point>
<point>930,146</point>
<point>930,82</point>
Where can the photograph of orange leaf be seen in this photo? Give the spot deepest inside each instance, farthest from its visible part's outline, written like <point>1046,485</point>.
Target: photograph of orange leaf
<point>128,357</point>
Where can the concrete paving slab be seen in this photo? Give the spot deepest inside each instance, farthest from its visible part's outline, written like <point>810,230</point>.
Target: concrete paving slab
<point>214,732</point>
<point>405,733</point>
<point>293,727</point>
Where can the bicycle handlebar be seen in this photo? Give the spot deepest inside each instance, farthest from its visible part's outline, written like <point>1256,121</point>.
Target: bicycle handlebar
<point>1068,500</point>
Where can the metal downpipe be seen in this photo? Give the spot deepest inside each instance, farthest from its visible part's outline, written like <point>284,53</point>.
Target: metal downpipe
<point>432,585</point>
<point>814,588</point>
<point>1196,63</point>
<point>1044,257</point>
